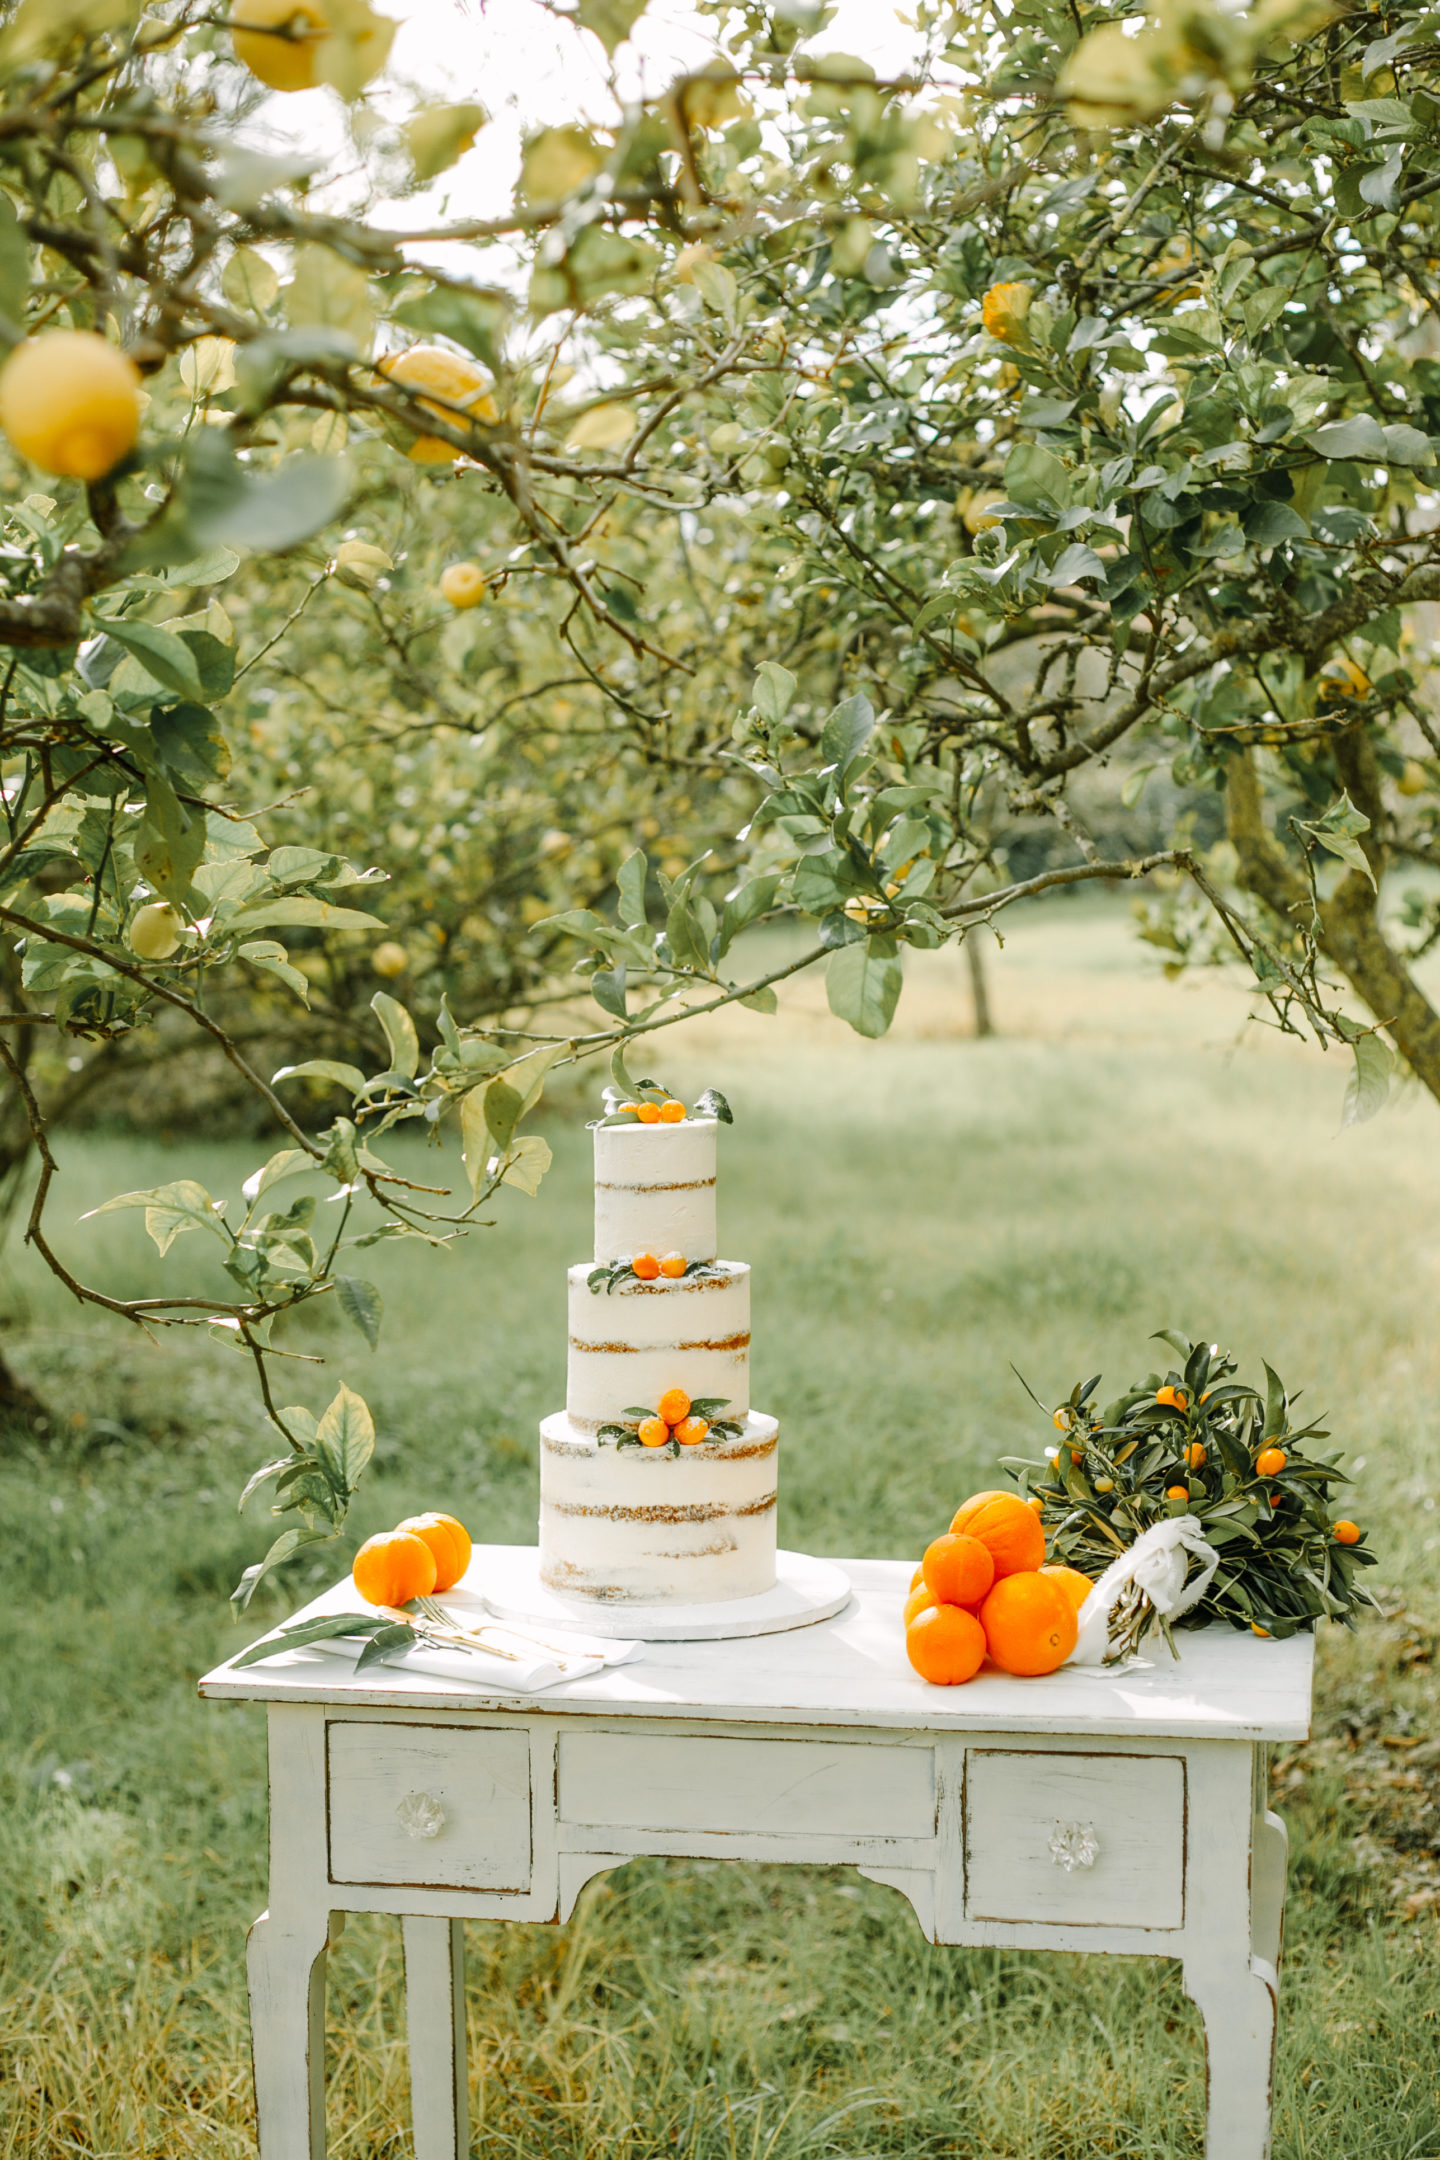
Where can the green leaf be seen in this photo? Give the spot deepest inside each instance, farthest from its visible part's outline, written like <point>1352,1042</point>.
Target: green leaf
<point>270,511</point>
<point>847,731</point>
<point>1359,437</point>
<point>611,20</point>
<point>630,881</point>
<point>399,1635</point>
<point>162,654</point>
<point>399,1034</point>
<point>474,1139</point>
<point>1035,479</point>
<point>1074,563</point>
<point>503,1108</point>
<point>345,1439</point>
<point>473,316</point>
<point>265,953</point>
<point>189,737</point>
<point>607,987</point>
<point>862,983</point>
<point>1368,1089</point>
<point>1339,831</point>
<point>349,1077</point>
<point>169,1210</point>
<point>774,691</point>
<point>262,1476</point>
<point>329,293</point>
<point>301,911</point>
<point>14,263</point>
<point>281,1165</point>
<point>249,282</point>
<point>713,1104</point>
<point>1270,523</point>
<point>440,134</point>
<point>321,1627</point>
<point>362,1306</point>
<point>170,841</point>
<point>530,1158</point>
<point>746,907</point>
<point>288,1542</point>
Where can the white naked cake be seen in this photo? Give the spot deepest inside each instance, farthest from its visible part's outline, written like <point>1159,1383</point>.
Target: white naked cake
<point>657,1481</point>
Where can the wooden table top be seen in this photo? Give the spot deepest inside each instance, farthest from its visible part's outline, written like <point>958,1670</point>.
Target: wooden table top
<point>849,1671</point>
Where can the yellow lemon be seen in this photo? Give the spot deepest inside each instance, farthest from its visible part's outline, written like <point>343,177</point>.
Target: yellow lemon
<point>279,40</point>
<point>463,584</point>
<point>390,959</point>
<point>70,403</point>
<point>1004,309</point>
<point>155,932</point>
<point>451,376</point>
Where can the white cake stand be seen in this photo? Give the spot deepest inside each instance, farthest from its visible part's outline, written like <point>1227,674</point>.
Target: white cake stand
<point>805,1591</point>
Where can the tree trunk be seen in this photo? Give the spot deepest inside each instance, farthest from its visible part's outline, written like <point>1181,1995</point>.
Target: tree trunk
<point>1350,932</point>
<point>980,995</point>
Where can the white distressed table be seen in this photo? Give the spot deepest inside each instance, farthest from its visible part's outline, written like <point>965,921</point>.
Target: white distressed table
<point>1087,1811</point>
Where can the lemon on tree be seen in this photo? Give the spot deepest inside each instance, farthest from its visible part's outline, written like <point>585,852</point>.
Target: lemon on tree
<point>70,403</point>
<point>463,584</point>
<point>390,958</point>
<point>156,931</point>
<point>279,40</point>
<point>452,376</point>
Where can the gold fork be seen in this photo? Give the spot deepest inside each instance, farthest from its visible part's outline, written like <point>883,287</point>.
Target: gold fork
<point>434,1610</point>
<point>446,1631</point>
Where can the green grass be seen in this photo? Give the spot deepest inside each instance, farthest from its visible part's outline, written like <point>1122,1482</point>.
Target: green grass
<point>920,1214</point>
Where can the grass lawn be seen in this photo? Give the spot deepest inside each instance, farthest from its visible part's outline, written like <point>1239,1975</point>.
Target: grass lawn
<point>920,1213</point>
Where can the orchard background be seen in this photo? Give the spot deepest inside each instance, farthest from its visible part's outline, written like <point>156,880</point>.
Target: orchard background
<point>956,517</point>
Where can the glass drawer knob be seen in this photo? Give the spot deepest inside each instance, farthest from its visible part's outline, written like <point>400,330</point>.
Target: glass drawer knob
<point>420,1815</point>
<point>1073,1845</point>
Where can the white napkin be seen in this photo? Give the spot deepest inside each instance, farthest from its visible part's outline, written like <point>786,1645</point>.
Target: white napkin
<point>1158,1561</point>
<point>557,1656</point>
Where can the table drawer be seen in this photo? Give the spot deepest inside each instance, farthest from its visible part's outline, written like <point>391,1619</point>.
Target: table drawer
<point>433,1806</point>
<point>774,1788</point>
<point>1072,1839</point>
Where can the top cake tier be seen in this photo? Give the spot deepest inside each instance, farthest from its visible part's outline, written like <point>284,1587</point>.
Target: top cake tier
<point>655,1190</point>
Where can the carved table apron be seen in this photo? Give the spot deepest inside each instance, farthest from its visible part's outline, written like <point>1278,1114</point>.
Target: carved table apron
<point>1087,1811</point>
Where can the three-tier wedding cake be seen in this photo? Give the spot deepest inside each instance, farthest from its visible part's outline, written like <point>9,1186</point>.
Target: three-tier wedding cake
<point>657,1481</point>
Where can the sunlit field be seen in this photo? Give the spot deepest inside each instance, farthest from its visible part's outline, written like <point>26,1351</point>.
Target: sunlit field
<point>923,1215</point>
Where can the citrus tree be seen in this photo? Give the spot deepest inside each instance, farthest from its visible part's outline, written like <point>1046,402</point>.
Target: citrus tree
<point>882,501</point>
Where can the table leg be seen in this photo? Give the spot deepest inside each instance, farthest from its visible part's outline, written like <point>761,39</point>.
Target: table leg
<point>435,2019</point>
<point>1237,2002</point>
<point>287,2034</point>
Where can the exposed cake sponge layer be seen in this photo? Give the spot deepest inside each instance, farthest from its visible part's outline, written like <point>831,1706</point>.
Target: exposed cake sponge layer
<point>636,1525</point>
<point>655,1190</point>
<point>630,1344</point>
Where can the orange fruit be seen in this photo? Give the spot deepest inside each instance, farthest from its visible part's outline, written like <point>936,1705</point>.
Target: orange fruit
<point>1029,1624</point>
<point>646,1266</point>
<point>918,1577</point>
<point>648,1113</point>
<point>393,1568</point>
<point>1270,1461</point>
<point>919,1600</point>
<point>654,1432</point>
<point>1256,1629</point>
<point>1195,1455</point>
<point>958,1569</point>
<point>674,1405</point>
<point>1008,1529</point>
<point>672,1113</point>
<point>1171,1396</point>
<point>673,1265</point>
<point>449,1542</point>
<point>1346,1533</point>
<point>622,1107</point>
<point>1077,1587</point>
<point>1036,1503</point>
<point>945,1644</point>
<point>691,1431</point>
<point>1177,1492</point>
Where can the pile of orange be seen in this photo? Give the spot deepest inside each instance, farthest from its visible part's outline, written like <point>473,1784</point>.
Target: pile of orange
<point>420,1556</point>
<point>983,1590</point>
<point>652,1113</point>
<point>672,1421</point>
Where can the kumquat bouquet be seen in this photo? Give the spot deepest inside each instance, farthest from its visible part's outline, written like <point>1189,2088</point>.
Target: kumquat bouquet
<point>1193,1498</point>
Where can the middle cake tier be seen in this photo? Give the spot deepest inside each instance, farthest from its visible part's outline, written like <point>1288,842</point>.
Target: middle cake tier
<point>630,1344</point>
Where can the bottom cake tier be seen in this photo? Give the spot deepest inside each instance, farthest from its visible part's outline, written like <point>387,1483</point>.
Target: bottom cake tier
<point>642,1526</point>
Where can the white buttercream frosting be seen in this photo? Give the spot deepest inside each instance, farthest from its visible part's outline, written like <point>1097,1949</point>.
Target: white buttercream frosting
<point>655,1190</point>
<point>637,1525</point>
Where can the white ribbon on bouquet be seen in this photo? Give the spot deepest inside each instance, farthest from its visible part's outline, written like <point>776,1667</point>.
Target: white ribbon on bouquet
<point>1156,1563</point>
